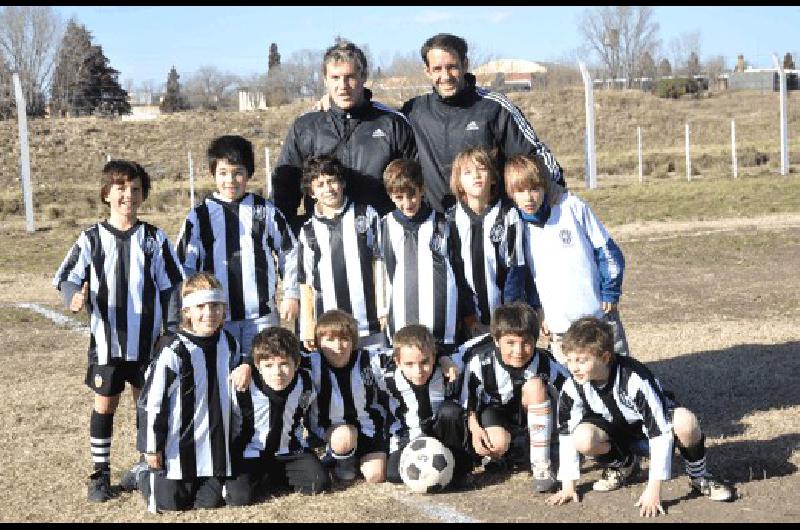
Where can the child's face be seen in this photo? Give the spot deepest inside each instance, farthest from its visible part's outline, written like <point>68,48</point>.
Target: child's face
<point>277,372</point>
<point>586,366</point>
<point>231,180</point>
<point>125,198</point>
<point>328,191</point>
<point>476,182</point>
<point>206,319</point>
<point>408,202</point>
<point>515,350</point>
<point>336,349</point>
<point>528,200</point>
<point>416,365</point>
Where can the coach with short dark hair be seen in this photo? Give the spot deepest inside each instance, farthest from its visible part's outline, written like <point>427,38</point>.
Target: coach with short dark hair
<point>362,134</point>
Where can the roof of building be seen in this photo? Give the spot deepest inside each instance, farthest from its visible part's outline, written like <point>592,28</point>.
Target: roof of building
<point>510,66</point>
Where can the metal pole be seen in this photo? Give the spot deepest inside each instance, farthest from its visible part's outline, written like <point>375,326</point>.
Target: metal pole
<point>639,138</point>
<point>268,178</point>
<point>733,149</point>
<point>784,141</point>
<point>191,181</point>
<point>590,153</point>
<point>24,154</point>
<point>688,158</point>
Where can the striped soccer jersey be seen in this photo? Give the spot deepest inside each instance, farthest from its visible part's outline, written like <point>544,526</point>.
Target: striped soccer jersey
<point>350,394</point>
<point>426,283</point>
<point>488,381</point>
<point>631,399</point>
<point>412,408</point>
<point>335,256</point>
<point>235,242</point>
<point>126,271</point>
<point>271,420</point>
<point>185,406</point>
<point>490,245</point>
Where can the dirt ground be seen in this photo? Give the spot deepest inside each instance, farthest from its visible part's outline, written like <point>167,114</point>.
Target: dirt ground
<point>712,308</point>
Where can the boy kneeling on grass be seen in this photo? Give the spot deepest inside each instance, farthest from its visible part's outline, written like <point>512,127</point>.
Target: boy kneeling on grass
<point>613,409</point>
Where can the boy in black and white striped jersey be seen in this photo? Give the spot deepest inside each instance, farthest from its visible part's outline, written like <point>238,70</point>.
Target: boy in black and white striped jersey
<point>351,404</point>
<point>186,406</point>
<point>233,235</point>
<point>269,421</point>
<point>487,229</point>
<point>509,390</point>
<point>420,251</point>
<point>125,272</point>
<point>337,248</point>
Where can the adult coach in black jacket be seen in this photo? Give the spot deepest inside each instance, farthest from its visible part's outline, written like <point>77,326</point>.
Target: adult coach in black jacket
<point>364,135</point>
<point>458,114</point>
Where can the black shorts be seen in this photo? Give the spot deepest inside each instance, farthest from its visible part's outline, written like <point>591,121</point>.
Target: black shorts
<point>374,444</point>
<point>109,379</point>
<point>628,438</point>
<point>301,472</point>
<point>493,416</point>
<point>172,495</point>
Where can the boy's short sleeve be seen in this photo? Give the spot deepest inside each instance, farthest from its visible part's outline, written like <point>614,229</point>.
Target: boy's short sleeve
<point>76,264</point>
<point>168,273</point>
<point>189,250</point>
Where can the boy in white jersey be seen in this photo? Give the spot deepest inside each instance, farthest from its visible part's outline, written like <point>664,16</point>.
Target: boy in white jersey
<point>575,266</point>
<point>233,235</point>
<point>124,271</point>
<point>185,406</point>
<point>270,445</point>
<point>613,409</point>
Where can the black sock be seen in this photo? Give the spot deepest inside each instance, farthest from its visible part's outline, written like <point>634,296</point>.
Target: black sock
<point>101,428</point>
<point>694,458</point>
<point>614,457</point>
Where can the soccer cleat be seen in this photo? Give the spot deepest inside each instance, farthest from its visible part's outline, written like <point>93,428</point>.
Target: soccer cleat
<point>616,477</point>
<point>710,487</point>
<point>543,479</point>
<point>130,479</point>
<point>345,468</point>
<point>100,486</point>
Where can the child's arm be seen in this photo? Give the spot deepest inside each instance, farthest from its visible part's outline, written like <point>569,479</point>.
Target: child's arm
<point>570,414</point>
<point>608,256</point>
<point>168,276</point>
<point>161,383</point>
<point>650,501</point>
<point>284,244</point>
<point>189,249</point>
<point>72,277</point>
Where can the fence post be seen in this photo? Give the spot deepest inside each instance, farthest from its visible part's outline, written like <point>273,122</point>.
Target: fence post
<point>24,154</point>
<point>590,154</point>
<point>639,142</point>
<point>268,178</point>
<point>782,81</point>
<point>688,158</point>
<point>733,149</point>
<point>191,181</point>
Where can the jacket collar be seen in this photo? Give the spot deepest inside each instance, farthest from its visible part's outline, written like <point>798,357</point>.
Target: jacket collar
<point>463,96</point>
<point>358,112</point>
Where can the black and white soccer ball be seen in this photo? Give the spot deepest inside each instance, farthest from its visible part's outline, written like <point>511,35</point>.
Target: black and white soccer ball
<point>426,466</point>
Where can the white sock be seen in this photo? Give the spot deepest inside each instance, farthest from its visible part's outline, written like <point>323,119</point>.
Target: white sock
<point>539,429</point>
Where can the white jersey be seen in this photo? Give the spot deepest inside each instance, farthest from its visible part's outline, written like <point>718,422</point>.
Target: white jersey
<point>126,271</point>
<point>631,399</point>
<point>561,258</point>
<point>185,406</point>
<point>235,242</point>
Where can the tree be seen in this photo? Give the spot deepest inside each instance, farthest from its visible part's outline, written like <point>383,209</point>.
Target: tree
<point>693,65</point>
<point>29,37</point>
<point>682,48</point>
<point>664,68</point>
<point>274,60</point>
<point>83,82</point>
<point>208,88</point>
<point>788,62</point>
<point>647,67</point>
<point>620,36</point>
<point>173,100</point>
<point>7,105</point>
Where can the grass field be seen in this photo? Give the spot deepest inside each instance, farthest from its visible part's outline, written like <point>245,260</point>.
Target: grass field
<point>711,303</point>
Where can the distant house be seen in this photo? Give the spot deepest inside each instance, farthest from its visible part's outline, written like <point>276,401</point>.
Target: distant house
<point>762,79</point>
<point>144,106</point>
<point>509,75</point>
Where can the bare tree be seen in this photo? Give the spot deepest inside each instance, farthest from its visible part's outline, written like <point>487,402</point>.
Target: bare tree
<point>209,88</point>
<point>620,36</point>
<point>664,68</point>
<point>29,38</point>
<point>682,47</point>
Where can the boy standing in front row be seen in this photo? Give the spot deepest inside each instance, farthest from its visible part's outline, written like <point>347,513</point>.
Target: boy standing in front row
<point>336,252</point>
<point>575,266</point>
<point>420,251</point>
<point>232,235</point>
<point>508,391</point>
<point>125,271</point>
<point>613,408</point>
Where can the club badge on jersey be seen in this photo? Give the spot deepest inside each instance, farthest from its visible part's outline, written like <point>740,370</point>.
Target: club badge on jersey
<point>149,246</point>
<point>362,225</point>
<point>566,237</point>
<point>496,234</point>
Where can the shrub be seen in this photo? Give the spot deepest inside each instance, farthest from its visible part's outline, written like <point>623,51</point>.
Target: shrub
<point>675,88</point>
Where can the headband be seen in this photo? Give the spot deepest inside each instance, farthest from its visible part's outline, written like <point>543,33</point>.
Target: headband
<point>203,297</point>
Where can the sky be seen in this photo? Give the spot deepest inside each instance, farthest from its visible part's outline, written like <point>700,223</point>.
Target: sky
<point>143,43</point>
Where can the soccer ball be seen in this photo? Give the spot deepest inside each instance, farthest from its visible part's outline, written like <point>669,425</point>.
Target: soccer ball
<point>426,466</point>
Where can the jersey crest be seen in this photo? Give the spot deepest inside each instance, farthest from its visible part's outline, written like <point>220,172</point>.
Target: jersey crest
<point>367,376</point>
<point>305,400</point>
<point>362,224</point>
<point>259,213</point>
<point>566,237</point>
<point>149,246</point>
<point>437,244</point>
<point>496,233</point>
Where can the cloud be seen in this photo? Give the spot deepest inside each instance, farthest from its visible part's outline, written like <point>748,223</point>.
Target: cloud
<point>434,17</point>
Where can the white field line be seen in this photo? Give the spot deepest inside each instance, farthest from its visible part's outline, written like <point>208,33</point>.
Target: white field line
<point>57,318</point>
<point>675,235</point>
<point>444,513</point>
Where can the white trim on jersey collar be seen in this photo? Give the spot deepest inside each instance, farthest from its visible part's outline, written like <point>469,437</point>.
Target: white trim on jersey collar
<point>203,297</point>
